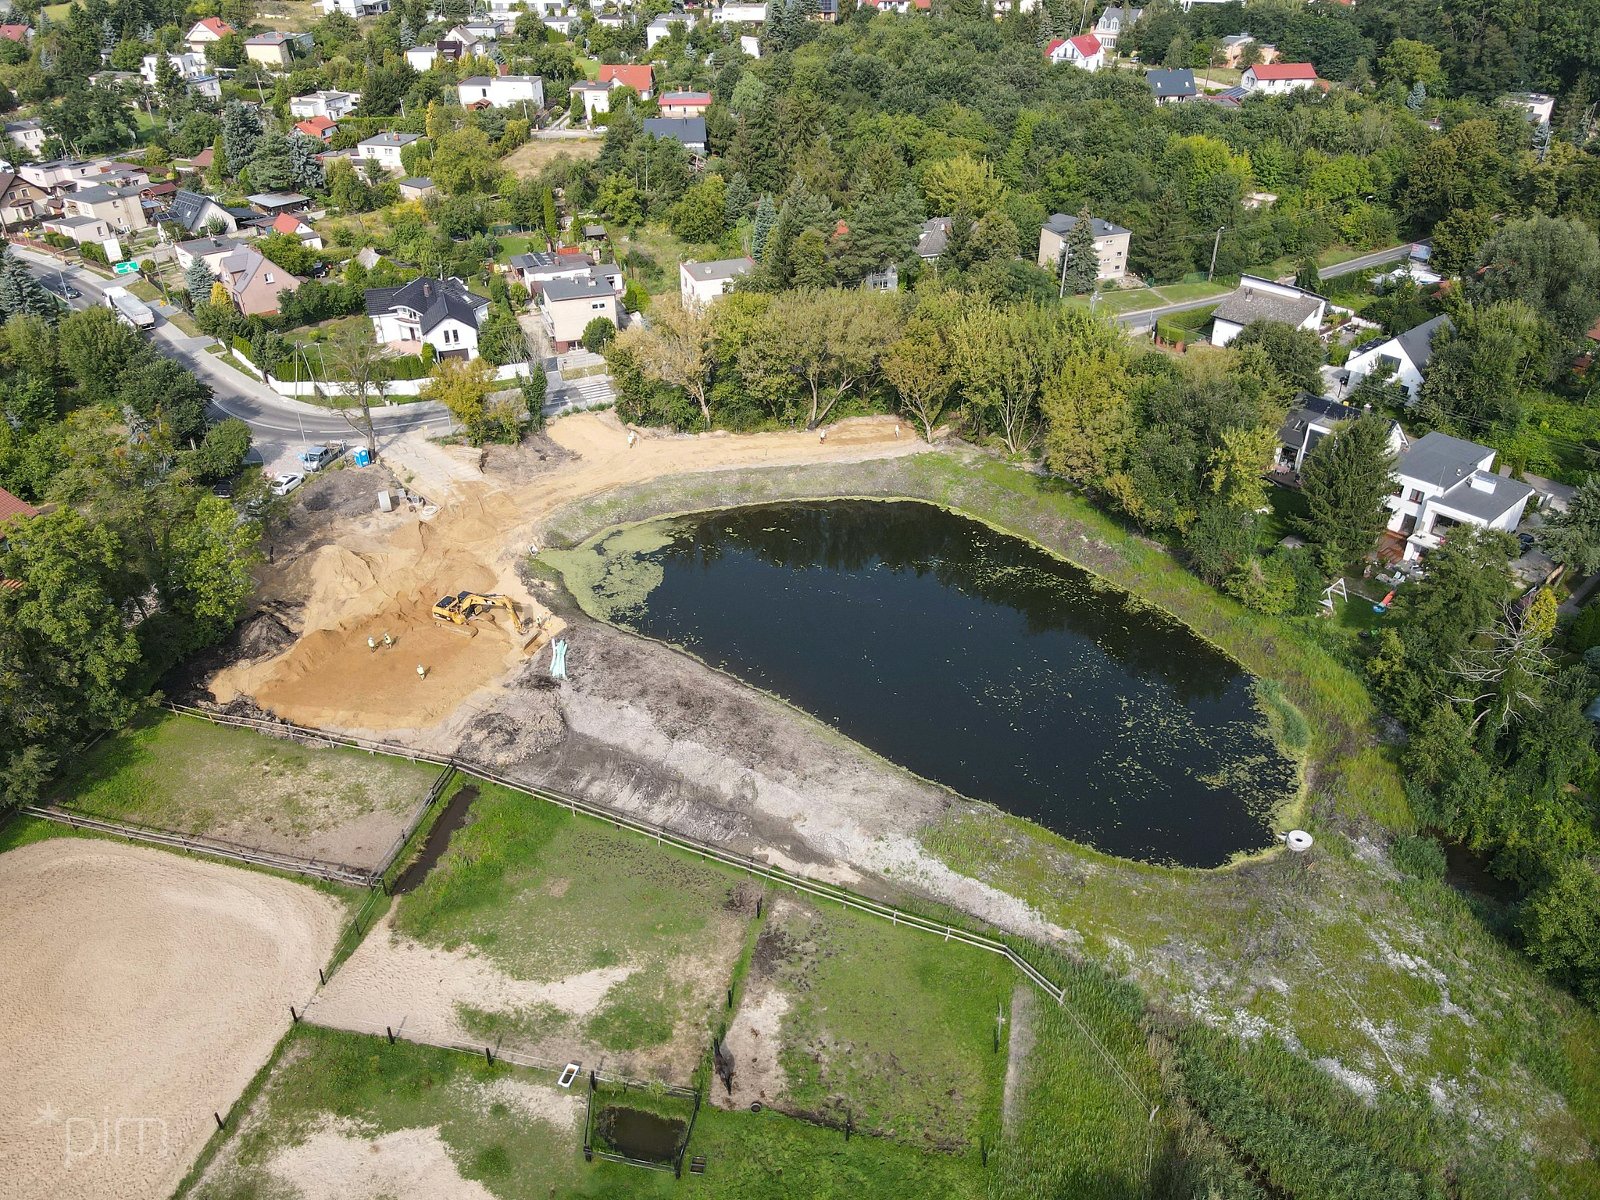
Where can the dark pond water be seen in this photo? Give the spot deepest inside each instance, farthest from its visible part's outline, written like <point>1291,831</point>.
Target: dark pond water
<point>637,1134</point>
<point>971,657</point>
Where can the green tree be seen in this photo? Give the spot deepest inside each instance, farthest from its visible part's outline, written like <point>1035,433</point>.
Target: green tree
<point>1295,354</point>
<point>1560,927</point>
<point>1573,537</point>
<point>918,366</point>
<point>699,216</point>
<point>1552,264</point>
<point>597,334</point>
<point>766,220</point>
<point>552,222</point>
<point>1080,266</point>
<point>676,348</point>
<point>463,386</point>
<point>212,558</point>
<point>1345,480</point>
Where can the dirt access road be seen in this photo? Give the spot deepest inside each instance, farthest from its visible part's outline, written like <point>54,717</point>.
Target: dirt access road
<point>382,576</point>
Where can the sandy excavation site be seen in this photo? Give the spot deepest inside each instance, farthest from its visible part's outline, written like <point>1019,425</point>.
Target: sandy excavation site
<point>141,992</point>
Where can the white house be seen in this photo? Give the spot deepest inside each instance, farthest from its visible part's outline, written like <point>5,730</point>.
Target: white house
<point>422,58</point>
<point>331,104</point>
<point>355,8</point>
<point>191,68</point>
<point>568,305</point>
<point>750,44</point>
<point>1443,482</point>
<point>700,283</point>
<point>205,32</point>
<point>1310,420</point>
<point>1113,21</point>
<point>28,135</point>
<point>739,12</point>
<point>501,91</point>
<point>1258,299</point>
<point>440,313</point>
<point>1278,78</point>
<point>661,28</point>
<point>1539,106</point>
<point>384,149</point>
<point>1083,52</point>
<point>1404,357</point>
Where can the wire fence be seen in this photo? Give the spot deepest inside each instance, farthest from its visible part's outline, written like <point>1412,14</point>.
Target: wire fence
<point>756,867</point>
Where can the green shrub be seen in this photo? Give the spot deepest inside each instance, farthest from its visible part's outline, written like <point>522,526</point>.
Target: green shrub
<point>1419,856</point>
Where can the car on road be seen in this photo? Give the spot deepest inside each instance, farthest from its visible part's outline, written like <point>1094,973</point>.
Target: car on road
<point>70,292</point>
<point>282,485</point>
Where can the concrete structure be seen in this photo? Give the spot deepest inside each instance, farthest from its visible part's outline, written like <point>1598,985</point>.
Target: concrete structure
<point>1441,483</point>
<point>415,187</point>
<point>274,49</point>
<point>384,149</point>
<point>1083,52</point>
<point>1403,358</point>
<point>661,28</point>
<point>355,8</point>
<point>899,7</point>
<point>28,135</point>
<point>1310,420</point>
<point>1539,107</point>
<point>82,230</point>
<point>568,305</point>
<point>501,91</point>
<point>1110,245</point>
<point>330,104</point>
<point>701,283</point>
<point>191,68</point>
<point>1278,78</point>
<point>739,12</point>
<point>441,313</point>
<point>422,58</point>
<point>210,250</point>
<point>1258,299</point>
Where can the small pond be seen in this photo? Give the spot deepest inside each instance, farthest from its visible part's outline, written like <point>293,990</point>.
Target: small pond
<point>634,1133</point>
<point>968,656</point>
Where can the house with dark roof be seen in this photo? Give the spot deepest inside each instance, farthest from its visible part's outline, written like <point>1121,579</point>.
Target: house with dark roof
<point>689,131</point>
<point>441,313</point>
<point>1443,483</point>
<point>195,211</point>
<point>1171,85</point>
<point>933,239</point>
<point>701,283</point>
<point>28,135</point>
<point>1403,358</point>
<point>568,305</point>
<point>1111,244</point>
<point>1310,420</point>
<point>1258,299</point>
<point>21,203</point>
<point>1113,22</point>
<point>274,48</point>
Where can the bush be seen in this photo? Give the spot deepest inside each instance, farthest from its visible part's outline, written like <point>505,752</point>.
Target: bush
<point>1419,856</point>
<point>597,334</point>
<point>1584,632</point>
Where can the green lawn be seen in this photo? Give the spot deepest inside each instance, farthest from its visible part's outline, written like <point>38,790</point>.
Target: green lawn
<point>547,895</point>
<point>188,775</point>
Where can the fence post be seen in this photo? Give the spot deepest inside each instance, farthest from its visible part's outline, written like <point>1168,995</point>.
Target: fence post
<point>294,1014</point>
<point>488,1056</point>
<point>390,1034</point>
<point>218,1118</point>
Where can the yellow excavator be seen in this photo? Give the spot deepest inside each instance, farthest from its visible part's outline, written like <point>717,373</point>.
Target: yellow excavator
<point>462,608</point>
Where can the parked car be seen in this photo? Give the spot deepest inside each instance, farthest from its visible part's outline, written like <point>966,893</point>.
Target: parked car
<point>282,485</point>
<point>314,458</point>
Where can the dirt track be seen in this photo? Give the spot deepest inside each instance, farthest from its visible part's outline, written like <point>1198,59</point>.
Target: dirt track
<point>384,574</point>
<point>141,991</point>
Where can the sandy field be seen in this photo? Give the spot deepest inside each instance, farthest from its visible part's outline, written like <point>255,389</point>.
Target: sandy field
<point>141,991</point>
<point>383,576</point>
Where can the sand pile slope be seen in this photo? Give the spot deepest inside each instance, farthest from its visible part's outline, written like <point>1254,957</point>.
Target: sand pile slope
<point>141,991</point>
<point>384,579</point>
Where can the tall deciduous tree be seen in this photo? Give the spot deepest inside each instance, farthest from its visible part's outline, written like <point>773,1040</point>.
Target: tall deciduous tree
<point>918,367</point>
<point>1573,537</point>
<point>1345,480</point>
<point>676,348</point>
<point>364,369</point>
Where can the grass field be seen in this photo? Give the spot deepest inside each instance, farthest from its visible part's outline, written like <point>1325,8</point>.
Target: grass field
<point>533,156</point>
<point>190,776</point>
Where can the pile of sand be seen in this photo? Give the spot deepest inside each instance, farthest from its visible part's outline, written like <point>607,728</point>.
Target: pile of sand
<point>141,991</point>
<point>383,577</point>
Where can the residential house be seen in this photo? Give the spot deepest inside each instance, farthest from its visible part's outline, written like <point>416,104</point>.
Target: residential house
<point>296,228</point>
<point>538,268</point>
<point>199,163</point>
<point>900,7</point>
<point>568,305</point>
<point>661,28</point>
<point>826,11</point>
<point>739,12</point>
<point>690,131</point>
<point>209,250</point>
<point>20,202</point>
<point>1311,419</point>
<point>886,280</point>
<point>701,283</point>
<point>1278,78</point>
<point>207,31</point>
<point>274,49</point>
<point>1539,107</point>
<point>384,149</point>
<point>28,135</point>
<point>1003,8</point>
<point>1171,85</point>
<point>1083,52</point>
<point>320,128</point>
<point>196,211</point>
<point>933,239</point>
<point>191,68</point>
<point>1442,482</point>
<point>1113,22</point>
<point>331,104</point>
<point>355,8</point>
<point>12,509</point>
<point>12,32</point>
<point>1110,244</point>
<point>1258,299</point>
<point>1403,358</point>
<point>501,91</point>
<point>415,187</point>
<point>638,76</point>
<point>441,313</point>
<point>684,104</point>
<point>254,282</point>
<point>560,23</point>
<point>121,208</point>
<point>750,44</point>
<point>422,58</point>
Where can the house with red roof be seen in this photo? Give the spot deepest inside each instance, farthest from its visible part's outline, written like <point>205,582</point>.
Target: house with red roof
<point>1278,78</point>
<point>685,104</point>
<point>638,76</point>
<point>205,32</point>
<point>16,33</point>
<point>321,128</point>
<point>296,228</point>
<point>13,509</point>
<point>1084,52</point>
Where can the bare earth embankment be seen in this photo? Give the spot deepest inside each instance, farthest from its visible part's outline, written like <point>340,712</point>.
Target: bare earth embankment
<point>141,992</point>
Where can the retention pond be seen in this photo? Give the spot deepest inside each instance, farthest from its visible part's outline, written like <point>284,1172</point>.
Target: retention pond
<point>969,656</point>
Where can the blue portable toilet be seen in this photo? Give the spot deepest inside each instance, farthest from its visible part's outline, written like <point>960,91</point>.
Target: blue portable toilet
<point>362,456</point>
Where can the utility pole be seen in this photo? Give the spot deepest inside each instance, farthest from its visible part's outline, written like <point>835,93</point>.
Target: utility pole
<point>1215,244</point>
<point>1061,292</point>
